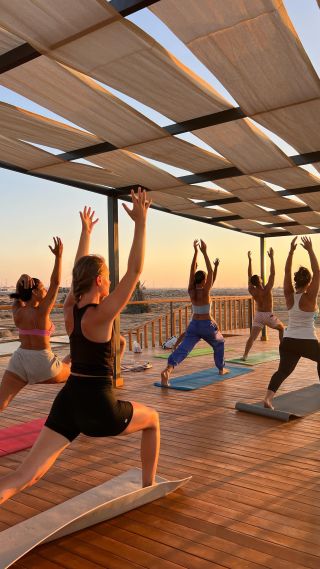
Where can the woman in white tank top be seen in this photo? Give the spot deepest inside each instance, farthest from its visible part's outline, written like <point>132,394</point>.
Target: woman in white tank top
<point>300,339</point>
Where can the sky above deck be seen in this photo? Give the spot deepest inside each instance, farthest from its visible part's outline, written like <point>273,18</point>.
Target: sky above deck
<point>34,210</point>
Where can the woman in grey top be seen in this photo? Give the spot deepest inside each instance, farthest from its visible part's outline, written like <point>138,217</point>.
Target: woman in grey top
<point>300,339</point>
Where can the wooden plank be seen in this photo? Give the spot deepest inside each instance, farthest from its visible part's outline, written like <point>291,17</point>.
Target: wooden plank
<point>253,500</point>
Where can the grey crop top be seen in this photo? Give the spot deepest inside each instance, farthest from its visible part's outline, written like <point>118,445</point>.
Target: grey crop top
<point>203,309</point>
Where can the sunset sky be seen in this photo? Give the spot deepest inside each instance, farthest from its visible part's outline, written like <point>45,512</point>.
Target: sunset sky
<point>34,210</point>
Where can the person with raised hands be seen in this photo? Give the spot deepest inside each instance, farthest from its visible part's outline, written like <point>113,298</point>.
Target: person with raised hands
<point>300,338</point>
<point>202,325</point>
<point>262,295</point>
<point>34,362</point>
<point>87,403</point>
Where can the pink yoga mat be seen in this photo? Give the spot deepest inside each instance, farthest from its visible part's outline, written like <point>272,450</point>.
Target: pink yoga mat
<point>19,437</point>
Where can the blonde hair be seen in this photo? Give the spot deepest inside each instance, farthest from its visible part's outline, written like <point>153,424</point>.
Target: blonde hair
<point>84,272</point>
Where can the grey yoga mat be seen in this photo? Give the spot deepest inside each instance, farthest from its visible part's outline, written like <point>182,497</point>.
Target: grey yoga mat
<point>293,405</point>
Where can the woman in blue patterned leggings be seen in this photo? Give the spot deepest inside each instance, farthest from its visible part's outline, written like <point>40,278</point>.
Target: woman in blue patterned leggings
<point>202,325</point>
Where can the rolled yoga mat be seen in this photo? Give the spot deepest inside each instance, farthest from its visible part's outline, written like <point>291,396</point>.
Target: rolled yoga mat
<point>113,498</point>
<point>255,359</point>
<point>202,378</point>
<point>293,405</point>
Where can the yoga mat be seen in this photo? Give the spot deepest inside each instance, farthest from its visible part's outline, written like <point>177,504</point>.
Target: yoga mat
<point>19,437</point>
<point>7,349</point>
<point>255,359</point>
<point>293,405</point>
<point>113,498</point>
<point>202,378</point>
<point>60,339</point>
<point>196,352</point>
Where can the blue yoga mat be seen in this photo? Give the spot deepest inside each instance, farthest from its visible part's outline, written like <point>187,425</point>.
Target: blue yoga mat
<point>203,378</point>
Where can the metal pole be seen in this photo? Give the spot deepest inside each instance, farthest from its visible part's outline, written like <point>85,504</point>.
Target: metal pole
<point>264,334</point>
<point>113,238</point>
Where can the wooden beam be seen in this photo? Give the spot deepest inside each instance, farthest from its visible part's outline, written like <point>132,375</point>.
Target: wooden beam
<point>127,7</point>
<point>17,56</point>
<point>207,120</point>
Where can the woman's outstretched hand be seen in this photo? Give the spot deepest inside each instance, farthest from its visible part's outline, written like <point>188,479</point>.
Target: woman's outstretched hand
<point>196,244</point>
<point>140,204</point>
<point>57,247</point>
<point>203,246</point>
<point>216,262</point>
<point>87,219</point>
<point>306,243</point>
<point>293,245</point>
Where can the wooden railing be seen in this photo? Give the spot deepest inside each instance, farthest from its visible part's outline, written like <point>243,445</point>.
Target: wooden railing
<point>230,313</point>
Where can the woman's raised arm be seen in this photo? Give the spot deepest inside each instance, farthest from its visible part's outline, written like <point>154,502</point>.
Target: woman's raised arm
<point>115,302</point>
<point>88,222</point>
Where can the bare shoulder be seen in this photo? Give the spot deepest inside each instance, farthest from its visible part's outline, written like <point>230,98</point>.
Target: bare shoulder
<point>68,318</point>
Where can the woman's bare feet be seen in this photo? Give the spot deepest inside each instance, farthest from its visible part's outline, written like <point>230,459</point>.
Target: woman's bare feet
<point>244,358</point>
<point>267,402</point>
<point>224,371</point>
<point>165,375</point>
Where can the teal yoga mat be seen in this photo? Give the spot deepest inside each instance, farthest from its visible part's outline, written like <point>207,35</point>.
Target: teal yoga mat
<point>203,378</point>
<point>256,359</point>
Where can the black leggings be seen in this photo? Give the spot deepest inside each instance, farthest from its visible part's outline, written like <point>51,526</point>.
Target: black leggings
<point>291,350</point>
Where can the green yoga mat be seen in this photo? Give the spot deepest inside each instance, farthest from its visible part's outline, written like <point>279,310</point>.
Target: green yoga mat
<point>193,354</point>
<point>255,359</point>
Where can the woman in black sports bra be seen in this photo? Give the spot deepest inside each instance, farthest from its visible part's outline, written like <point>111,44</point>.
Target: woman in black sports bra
<point>87,403</point>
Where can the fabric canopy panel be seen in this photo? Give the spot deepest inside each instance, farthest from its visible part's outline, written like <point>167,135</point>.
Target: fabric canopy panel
<point>246,210</point>
<point>289,178</point>
<point>298,125</point>
<point>132,169</point>
<point>81,173</point>
<point>121,55</point>
<point>277,203</point>
<point>182,154</point>
<point>24,155</point>
<point>117,169</point>
<point>170,201</point>
<point>91,106</point>
<point>239,42</point>
<point>250,226</point>
<point>244,145</point>
<point>8,41</point>
<point>307,218</point>
<point>45,24</point>
<point>22,125</point>
<point>312,200</point>
<point>197,192</point>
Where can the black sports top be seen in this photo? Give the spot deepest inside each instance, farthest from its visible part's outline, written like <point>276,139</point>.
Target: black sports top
<point>87,357</point>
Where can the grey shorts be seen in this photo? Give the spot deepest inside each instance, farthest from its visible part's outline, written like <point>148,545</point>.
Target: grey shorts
<point>34,366</point>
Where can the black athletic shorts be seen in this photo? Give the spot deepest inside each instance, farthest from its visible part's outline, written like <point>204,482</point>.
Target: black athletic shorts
<point>89,406</point>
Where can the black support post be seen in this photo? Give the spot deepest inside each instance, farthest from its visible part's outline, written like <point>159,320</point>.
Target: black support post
<point>113,238</point>
<point>264,334</point>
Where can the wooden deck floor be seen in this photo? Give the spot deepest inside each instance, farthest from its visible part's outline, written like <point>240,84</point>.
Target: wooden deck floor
<point>254,499</point>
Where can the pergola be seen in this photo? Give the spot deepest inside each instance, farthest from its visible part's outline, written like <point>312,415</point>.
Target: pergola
<point>63,55</point>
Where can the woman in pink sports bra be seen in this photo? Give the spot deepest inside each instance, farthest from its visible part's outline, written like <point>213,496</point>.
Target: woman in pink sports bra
<point>34,362</point>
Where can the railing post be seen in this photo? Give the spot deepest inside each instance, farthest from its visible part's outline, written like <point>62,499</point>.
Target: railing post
<point>171,319</point>
<point>250,312</point>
